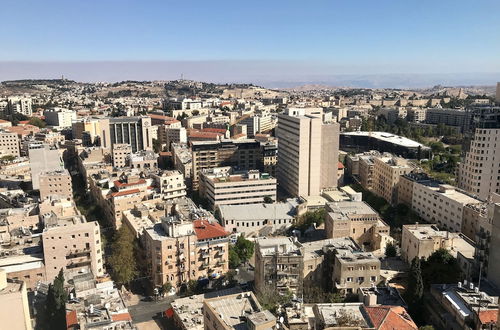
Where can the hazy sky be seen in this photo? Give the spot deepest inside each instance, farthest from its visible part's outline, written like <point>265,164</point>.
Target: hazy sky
<point>274,40</point>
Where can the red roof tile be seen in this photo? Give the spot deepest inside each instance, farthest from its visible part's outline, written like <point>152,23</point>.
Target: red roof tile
<point>203,135</point>
<point>121,317</point>
<point>390,318</point>
<point>120,185</point>
<point>125,192</point>
<point>341,166</point>
<point>488,316</point>
<point>205,229</point>
<point>214,130</point>
<point>71,319</point>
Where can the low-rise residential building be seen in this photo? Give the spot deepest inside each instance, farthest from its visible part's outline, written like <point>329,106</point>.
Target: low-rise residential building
<point>55,183</point>
<point>223,186</point>
<point>98,304</point>
<point>279,264</point>
<point>226,313</point>
<point>354,269</point>
<point>258,219</point>
<point>170,183</point>
<point>441,204</point>
<point>9,144</point>
<point>422,240</point>
<point>462,306</point>
<point>179,250</point>
<point>14,306</point>
<point>357,220</point>
<point>121,155</point>
<point>59,117</point>
<point>386,173</point>
<point>72,244</point>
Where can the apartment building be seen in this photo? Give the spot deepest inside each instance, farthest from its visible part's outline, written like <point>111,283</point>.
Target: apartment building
<point>72,244</point>
<point>405,187</point>
<point>179,250</point>
<point>144,160</point>
<point>279,264</point>
<point>59,117</point>
<point>366,166</point>
<point>55,183</point>
<point>225,312</point>
<point>14,305</point>
<point>386,173</point>
<point>354,269</point>
<point>20,104</point>
<point>92,131</point>
<point>357,220</point>
<point>223,186</point>
<point>308,151</point>
<point>242,154</point>
<point>170,183</point>
<point>136,131</point>
<point>182,159</point>
<point>118,194</point>
<point>269,162</point>
<point>258,123</point>
<point>416,115</point>
<point>441,204</point>
<point>422,240</point>
<point>9,144</point>
<point>44,158</point>
<point>121,155</point>
<point>479,171</point>
<point>493,262</point>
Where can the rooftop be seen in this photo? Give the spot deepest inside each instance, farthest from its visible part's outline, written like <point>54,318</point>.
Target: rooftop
<point>281,245</point>
<point>205,229</point>
<point>258,211</point>
<point>391,138</point>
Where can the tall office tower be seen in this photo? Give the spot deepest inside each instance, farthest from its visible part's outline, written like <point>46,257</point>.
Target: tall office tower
<point>479,171</point>
<point>308,149</point>
<point>135,131</point>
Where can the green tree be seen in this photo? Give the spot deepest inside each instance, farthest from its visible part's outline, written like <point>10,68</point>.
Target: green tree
<point>440,268</point>
<point>415,282</point>
<point>234,258</point>
<point>122,258</point>
<point>156,145</point>
<point>244,248</point>
<point>167,286</point>
<point>37,122</point>
<point>52,315</point>
<point>390,250</point>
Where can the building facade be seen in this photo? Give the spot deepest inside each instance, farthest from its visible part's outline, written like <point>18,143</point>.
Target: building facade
<point>308,151</point>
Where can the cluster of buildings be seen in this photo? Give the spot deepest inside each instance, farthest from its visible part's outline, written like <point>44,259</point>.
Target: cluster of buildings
<point>188,173</point>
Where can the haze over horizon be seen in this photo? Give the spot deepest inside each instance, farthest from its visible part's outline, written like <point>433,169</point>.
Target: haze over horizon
<point>353,44</point>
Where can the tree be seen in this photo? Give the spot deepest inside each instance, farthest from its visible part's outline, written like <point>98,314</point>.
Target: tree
<point>167,286</point>
<point>268,200</point>
<point>156,145</point>
<point>390,250</point>
<point>415,282</point>
<point>244,248</point>
<point>195,112</point>
<point>234,258</point>
<point>440,268</point>
<point>37,122</point>
<point>123,258</point>
<point>52,314</point>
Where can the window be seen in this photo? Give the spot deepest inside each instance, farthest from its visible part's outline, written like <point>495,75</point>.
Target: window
<point>349,279</point>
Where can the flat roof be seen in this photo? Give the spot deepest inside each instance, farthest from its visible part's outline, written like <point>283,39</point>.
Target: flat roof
<point>257,211</point>
<point>388,137</point>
